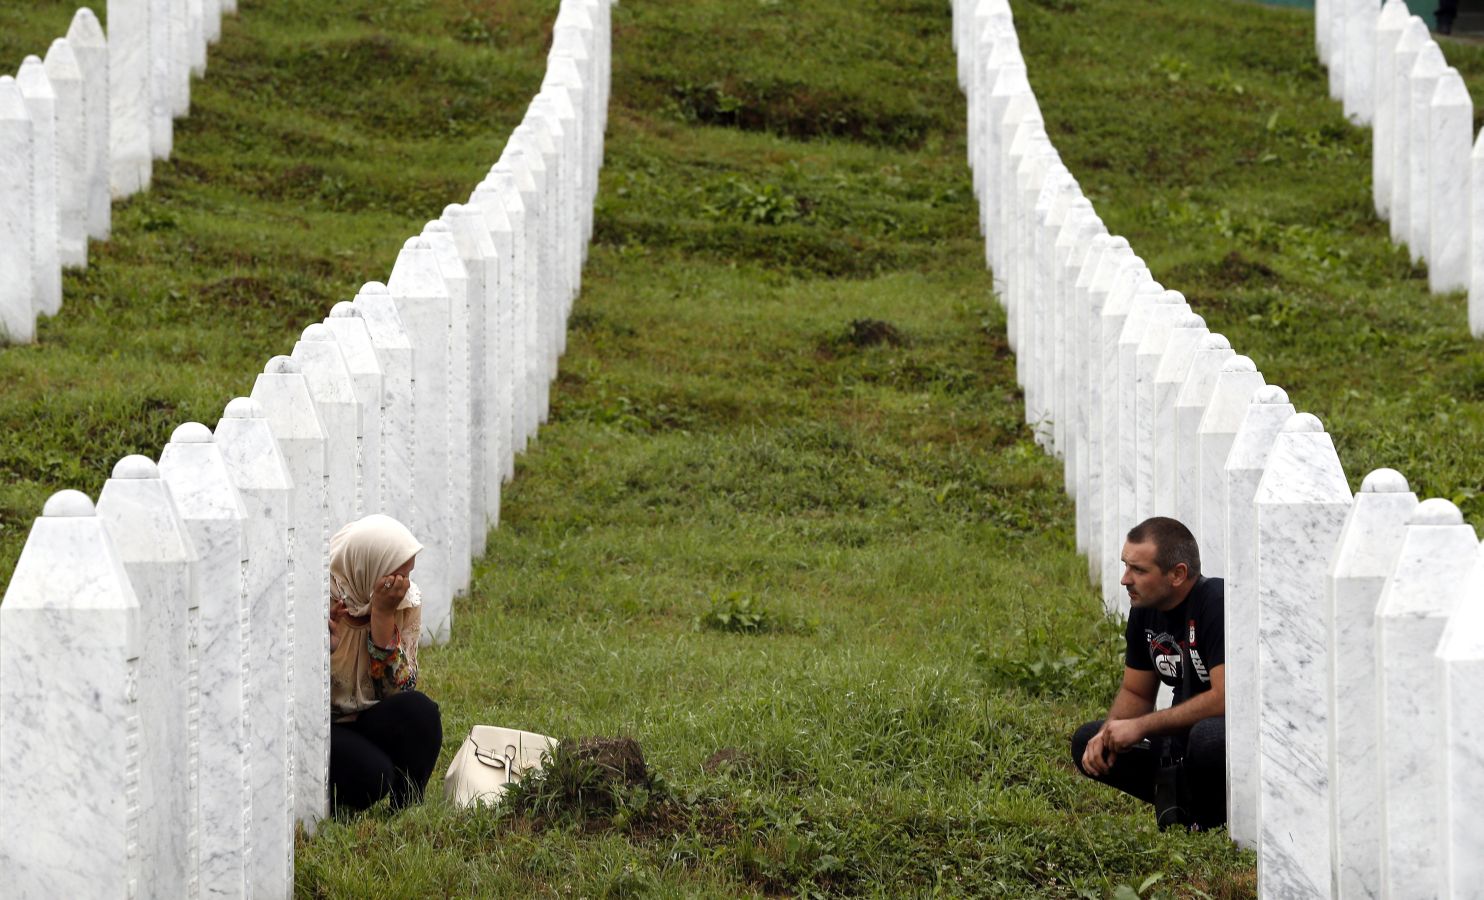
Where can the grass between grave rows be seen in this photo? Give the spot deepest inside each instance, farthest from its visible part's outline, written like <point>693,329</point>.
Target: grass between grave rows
<point>757,520</point>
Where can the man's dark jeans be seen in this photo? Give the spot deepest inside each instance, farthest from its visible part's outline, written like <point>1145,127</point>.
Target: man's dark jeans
<point>1205,767</point>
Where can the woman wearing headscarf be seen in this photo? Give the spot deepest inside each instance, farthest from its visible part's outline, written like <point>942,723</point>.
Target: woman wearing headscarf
<point>384,734</point>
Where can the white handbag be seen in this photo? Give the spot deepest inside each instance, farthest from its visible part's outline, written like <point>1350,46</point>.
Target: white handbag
<point>491,758</point>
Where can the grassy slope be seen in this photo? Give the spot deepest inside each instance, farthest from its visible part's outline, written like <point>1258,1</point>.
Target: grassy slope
<point>1204,133</point>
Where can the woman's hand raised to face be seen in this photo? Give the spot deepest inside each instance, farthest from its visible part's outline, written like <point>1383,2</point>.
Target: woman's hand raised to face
<point>389,591</point>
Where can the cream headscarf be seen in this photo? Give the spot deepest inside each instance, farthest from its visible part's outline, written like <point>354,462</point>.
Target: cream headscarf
<point>362,552</point>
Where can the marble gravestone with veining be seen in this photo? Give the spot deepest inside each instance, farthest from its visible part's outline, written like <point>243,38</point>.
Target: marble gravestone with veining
<point>333,391</point>
<point>1389,25</point>
<point>480,259</point>
<point>1132,289</point>
<point>17,217</point>
<point>46,266</point>
<point>258,471</point>
<point>499,200</point>
<point>1422,81</point>
<point>70,642</point>
<point>1169,379</point>
<point>1235,384</point>
<point>517,182</point>
<point>91,48</point>
<point>1449,146</point>
<point>1360,28</point>
<point>162,63</point>
<point>193,468</point>
<point>1409,42</point>
<point>1094,300</point>
<point>504,391</point>
<point>349,329</point>
<point>131,156</point>
<point>421,295</point>
<point>1422,592</point>
<point>160,559</point>
<point>1170,310</point>
<point>456,278</point>
<point>1194,394</point>
<point>66,78</point>
<point>1460,674</point>
<point>1363,561</point>
<point>1245,463</point>
<point>1302,502</point>
<point>394,355</point>
<point>283,394</point>
<point>1476,240</point>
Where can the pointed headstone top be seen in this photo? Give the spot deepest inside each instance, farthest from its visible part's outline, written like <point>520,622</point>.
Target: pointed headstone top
<point>85,30</point>
<point>68,505</point>
<point>1385,481</point>
<point>244,408</point>
<point>1436,511</point>
<point>33,81</point>
<point>1451,90</point>
<point>1429,62</point>
<point>135,466</point>
<point>61,62</point>
<point>12,103</point>
<point>192,433</point>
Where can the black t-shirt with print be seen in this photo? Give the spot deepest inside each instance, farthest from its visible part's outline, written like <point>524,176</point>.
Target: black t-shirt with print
<point>1192,633</point>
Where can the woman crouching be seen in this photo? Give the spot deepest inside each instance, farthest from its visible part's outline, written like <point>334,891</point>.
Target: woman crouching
<point>384,735</point>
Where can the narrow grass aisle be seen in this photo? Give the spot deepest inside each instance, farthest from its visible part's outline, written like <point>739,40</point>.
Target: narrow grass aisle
<point>785,505</point>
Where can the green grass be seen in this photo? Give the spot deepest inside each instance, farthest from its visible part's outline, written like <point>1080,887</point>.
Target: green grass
<point>916,635</point>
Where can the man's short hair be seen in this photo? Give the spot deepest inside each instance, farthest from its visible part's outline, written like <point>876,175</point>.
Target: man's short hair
<point>1173,543</point>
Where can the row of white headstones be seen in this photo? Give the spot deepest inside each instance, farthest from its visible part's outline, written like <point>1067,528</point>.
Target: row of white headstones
<point>1389,73</point>
<point>1354,660</point>
<point>83,127</point>
<point>164,655</point>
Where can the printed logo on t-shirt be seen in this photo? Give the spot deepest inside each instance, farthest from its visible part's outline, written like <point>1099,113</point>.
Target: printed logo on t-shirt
<point>1164,652</point>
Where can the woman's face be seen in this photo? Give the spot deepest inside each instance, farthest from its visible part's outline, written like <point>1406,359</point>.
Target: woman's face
<point>404,570</point>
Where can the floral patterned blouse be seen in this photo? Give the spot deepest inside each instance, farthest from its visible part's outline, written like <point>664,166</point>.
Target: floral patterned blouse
<point>362,673</point>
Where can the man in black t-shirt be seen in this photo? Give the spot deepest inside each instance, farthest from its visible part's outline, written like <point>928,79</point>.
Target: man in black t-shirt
<point>1174,635</point>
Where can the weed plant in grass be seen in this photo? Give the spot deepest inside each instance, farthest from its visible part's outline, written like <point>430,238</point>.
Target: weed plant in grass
<point>1204,133</point>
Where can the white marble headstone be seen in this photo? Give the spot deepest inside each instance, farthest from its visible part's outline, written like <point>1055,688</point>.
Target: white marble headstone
<point>17,217</point>
<point>283,394</point>
<point>394,355</point>
<point>46,265</point>
<point>1413,36</point>
<point>1389,25</point>
<point>70,641</point>
<point>258,471</point>
<point>1210,355</point>
<point>90,47</point>
<point>348,327</point>
<point>1235,384</point>
<point>66,79</point>
<point>130,115</point>
<point>192,466</point>
<point>1423,80</point>
<point>1476,240</point>
<point>1186,337</point>
<point>1364,559</point>
<point>1450,146</point>
<point>421,295</point>
<point>1422,592</point>
<point>1460,670</point>
<point>1245,463</point>
<point>160,558</point>
<point>1302,502</point>
<point>480,259</point>
<point>330,385</point>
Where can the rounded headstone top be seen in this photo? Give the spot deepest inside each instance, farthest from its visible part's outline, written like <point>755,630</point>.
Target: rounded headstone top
<point>136,466</point>
<point>1169,296</point>
<point>282,365</point>
<point>417,243</point>
<point>1239,364</point>
<point>453,209</point>
<point>1385,481</point>
<point>86,24</point>
<point>1102,241</point>
<point>1436,511</point>
<point>1191,320</point>
<point>374,287</point>
<point>192,433</point>
<point>1215,341</point>
<point>244,408</point>
<point>33,79</point>
<point>61,62</point>
<point>1270,395</point>
<point>317,333</point>
<point>344,310</point>
<point>1120,242</point>
<point>437,226</point>
<point>68,504</point>
<point>1303,423</point>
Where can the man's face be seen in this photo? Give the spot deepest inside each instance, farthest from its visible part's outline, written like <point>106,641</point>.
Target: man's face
<point>1147,586</point>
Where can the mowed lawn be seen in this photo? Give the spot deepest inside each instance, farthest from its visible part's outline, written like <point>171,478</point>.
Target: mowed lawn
<point>786,506</point>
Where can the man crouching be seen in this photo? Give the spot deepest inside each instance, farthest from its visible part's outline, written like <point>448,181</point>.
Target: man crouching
<point>1174,758</point>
